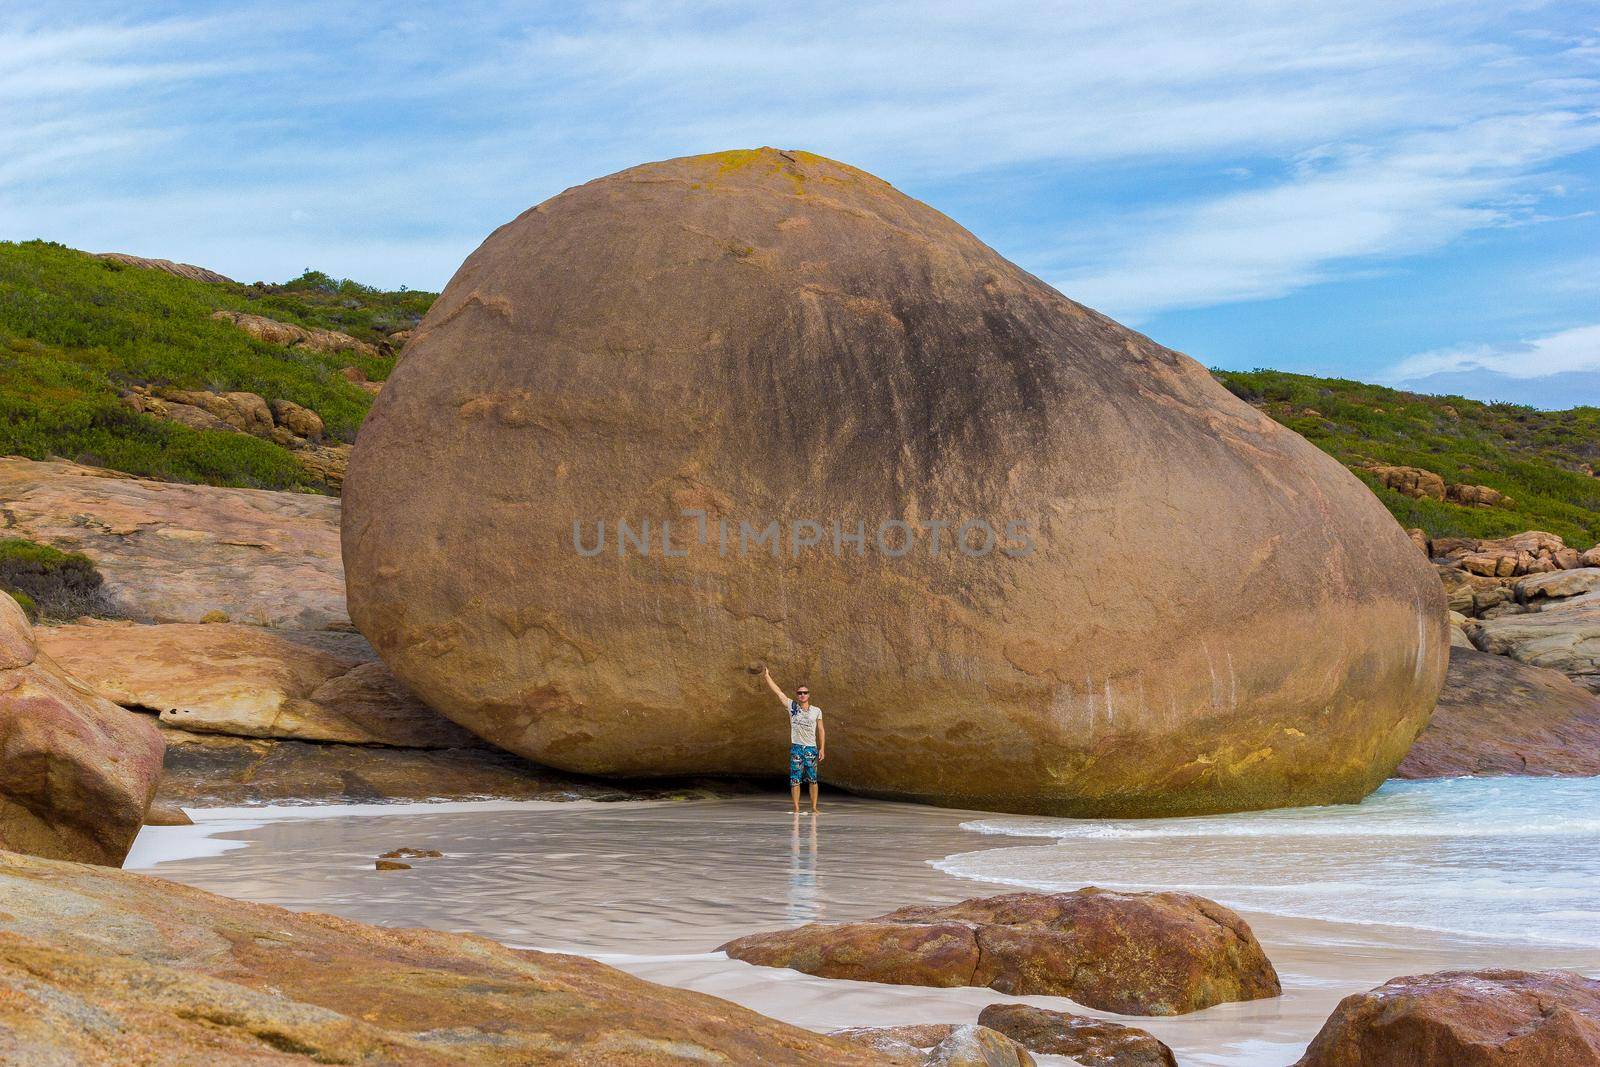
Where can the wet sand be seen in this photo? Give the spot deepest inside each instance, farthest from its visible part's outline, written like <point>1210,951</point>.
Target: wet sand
<point>653,888</point>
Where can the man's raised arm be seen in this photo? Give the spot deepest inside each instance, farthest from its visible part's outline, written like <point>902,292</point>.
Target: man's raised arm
<point>783,698</point>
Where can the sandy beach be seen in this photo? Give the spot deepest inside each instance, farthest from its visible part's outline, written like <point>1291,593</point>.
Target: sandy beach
<point>1420,877</point>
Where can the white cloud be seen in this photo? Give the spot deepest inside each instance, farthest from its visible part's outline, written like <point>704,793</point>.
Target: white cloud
<point>1577,349</point>
<point>1335,135</point>
<point>1337,212</point>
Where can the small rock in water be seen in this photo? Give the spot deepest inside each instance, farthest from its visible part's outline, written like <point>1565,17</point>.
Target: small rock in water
<point>412,854</point>
<point>162,814</point>
<point>391,865</point>
<point>1092,1042</point>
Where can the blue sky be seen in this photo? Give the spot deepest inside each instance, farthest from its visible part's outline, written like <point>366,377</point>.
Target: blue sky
<point>1392,191</point>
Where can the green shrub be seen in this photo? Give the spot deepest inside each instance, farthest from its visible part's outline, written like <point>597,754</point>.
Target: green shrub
<point>1540,459</point>
<point>49,582</point>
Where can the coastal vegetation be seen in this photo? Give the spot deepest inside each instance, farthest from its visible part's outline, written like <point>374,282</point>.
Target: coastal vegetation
<point>47,581</point>
<point>1542,460</point>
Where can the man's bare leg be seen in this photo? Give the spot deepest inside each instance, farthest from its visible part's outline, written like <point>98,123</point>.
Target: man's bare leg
<point>813,798</point>
<point>794,794</point>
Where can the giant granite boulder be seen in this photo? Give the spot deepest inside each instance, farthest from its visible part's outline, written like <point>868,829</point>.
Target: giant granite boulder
<point>76,771</point>
<point>1027,558</point>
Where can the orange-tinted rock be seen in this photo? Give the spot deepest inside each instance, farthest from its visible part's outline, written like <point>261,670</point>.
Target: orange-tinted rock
<point>76,772</point>
<point>1477,496</point>
<point>1091,1042</point>
<point>1498,716</point>
<point>1493,1018</point>
<point>251,681</point>
<point>1133,953</point>
<point>167,266</point>
<point>940,1045</point>
<point>767,337</point>
<point>178,553</point>
<point>105,968</point>
<point>1410,481</point>
<point>274,332</point>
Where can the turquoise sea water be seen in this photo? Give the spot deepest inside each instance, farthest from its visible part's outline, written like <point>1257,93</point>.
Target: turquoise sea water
<point>1505,858</point>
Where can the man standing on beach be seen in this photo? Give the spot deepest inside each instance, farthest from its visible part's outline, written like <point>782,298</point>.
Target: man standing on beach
<point>808,741</point>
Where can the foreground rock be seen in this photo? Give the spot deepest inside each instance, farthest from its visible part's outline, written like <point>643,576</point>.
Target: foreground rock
<point>105,967</point>
<point>182,553</point>
<point>1458,1018</point>
<point>209,770</point>
<point>768,337</point>
<point>1498,716</point>
<point>251,682</point>
<point>940,1045</point>
<point>76,771</point>
<point>1131,953</point>
<point>167,266</point>
<point>1092,1042</point>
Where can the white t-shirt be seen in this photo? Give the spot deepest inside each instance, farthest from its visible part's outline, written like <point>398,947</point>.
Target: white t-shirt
<point>803,724</point>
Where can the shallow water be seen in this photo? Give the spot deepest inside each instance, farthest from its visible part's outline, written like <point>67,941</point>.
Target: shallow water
<point>1420,877</point>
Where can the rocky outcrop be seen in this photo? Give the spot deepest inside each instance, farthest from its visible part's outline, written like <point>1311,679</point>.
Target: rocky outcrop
<point>283,422</point>
<point>290,335</point>
<point>167,266</point>
<point>1089,1041</point>
<point>357,377</point>
<point>779,344</point>
<point>76,772</point>
<point>102,967</point>
<point>181,553</point>
<point>214,770</point>
<point>1132,953</point>
<point>1476,596</point>
<point>1480,496</point>
<point>250,681</point>
<point>1533,552</point>
<point>1498,716</point>
<point>1564,636</point>
<point>1410,481</point>
<point>1495,1018</point>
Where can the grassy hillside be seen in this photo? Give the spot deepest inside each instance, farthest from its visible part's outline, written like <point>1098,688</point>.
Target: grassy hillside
<point>76,331</point>
<point>1541,459</point>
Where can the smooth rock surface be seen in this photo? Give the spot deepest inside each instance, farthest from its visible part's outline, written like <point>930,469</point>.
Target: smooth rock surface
<point>178,553</point>
<point>76,772</point>
<point>1564,636</point>
<point>105,967</point>
<point>211,770</point>
<point>1091,1042</point>
<point>770,337</point>
<point>250,681</point>
<point>1132,953</point>
<point>1499,716</point>
<point>1491,1018</point>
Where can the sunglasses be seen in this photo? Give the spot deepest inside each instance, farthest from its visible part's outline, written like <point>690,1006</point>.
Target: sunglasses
<point>803,692</point>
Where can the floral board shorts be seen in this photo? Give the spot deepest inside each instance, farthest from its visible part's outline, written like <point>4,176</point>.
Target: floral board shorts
<point>802,764</point>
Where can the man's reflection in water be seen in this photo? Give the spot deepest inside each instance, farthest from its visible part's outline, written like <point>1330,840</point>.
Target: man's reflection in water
<point>804,905</point>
